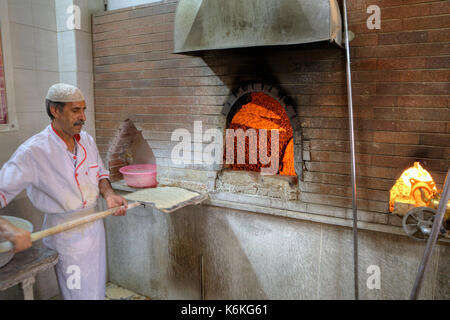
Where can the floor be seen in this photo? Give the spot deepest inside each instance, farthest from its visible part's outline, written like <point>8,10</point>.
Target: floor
<point>114,292</point>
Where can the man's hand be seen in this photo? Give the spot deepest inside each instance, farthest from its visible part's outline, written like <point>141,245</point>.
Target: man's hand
<point>114,200</point>
<point>21,239</point>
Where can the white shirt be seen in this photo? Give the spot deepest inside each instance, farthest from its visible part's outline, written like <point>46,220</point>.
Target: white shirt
<point>45,168</point>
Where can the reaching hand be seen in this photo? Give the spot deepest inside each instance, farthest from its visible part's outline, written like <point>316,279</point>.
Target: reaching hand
<point>21,239</point>
<point>115,200</point>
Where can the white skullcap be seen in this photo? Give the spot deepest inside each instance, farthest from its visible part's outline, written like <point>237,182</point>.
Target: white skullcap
<point>62,92</point>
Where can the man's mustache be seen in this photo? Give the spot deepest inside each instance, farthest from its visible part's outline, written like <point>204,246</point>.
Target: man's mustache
<point>78,123</point>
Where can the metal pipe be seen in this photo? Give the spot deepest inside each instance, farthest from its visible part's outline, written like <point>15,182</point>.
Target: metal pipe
<point>202,279</point>
<point>352,155</point>
<point>432,239</point>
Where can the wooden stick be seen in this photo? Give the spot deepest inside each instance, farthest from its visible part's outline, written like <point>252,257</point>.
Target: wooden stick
<point>6,246</point>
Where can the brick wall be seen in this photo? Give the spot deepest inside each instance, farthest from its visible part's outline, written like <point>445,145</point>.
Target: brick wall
<point>400,85</point>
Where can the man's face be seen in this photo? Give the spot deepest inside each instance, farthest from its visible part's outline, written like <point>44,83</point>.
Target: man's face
<point>72,118</point>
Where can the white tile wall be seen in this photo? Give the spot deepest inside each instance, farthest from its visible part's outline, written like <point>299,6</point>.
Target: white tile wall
<point>43,56</point>
<point>90,124</point>
<point>66,51</point>
<point>69,77</point>
<point>9,143</point>
<point>22,42</point>
<point>84,51</point>
<point>46,53</point>
<point>84,82</point>
<point>20,11</point>
<point>35,122</point>
<point>26,87</point>
<point>44,14</point>
<point>45,79</point>
<point>61,14</point>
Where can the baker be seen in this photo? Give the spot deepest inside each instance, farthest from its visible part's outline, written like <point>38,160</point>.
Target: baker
<point>63,174</point>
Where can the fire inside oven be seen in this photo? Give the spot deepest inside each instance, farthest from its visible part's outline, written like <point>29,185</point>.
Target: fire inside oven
<point>415,197</point>
<point>415,186</point>
<point>252,114</point>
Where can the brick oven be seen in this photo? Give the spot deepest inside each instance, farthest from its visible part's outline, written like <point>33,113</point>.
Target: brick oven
<point>400,95</point>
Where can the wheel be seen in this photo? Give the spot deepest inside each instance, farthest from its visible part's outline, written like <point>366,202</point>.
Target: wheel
<point>443,230</point>
<point>417,222</point>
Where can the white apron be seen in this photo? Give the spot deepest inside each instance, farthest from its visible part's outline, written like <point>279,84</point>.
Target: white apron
<point>91,271</point>
<point>81,269</point>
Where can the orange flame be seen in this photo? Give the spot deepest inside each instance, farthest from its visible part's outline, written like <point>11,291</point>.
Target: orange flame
<point>265,112</point>
<point>407,188</point>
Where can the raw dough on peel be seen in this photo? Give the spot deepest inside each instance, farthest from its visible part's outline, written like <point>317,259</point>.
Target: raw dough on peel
<point>163,197</point>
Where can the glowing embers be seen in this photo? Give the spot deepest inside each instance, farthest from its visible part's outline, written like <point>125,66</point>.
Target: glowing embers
<point>415,186</point>
<point>258,125</point>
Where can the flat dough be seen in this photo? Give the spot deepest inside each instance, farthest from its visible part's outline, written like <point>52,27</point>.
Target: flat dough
<point>163,197</point>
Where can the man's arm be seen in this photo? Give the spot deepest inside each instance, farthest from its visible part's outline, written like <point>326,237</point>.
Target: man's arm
<point>16,175</point>
<point>112,199</point>
<point>20,238</point>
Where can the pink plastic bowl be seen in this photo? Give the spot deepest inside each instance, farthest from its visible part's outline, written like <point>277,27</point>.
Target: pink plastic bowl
<point>140,175</point>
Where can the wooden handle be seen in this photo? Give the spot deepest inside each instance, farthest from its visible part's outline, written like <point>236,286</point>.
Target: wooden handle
<point>7,245</point>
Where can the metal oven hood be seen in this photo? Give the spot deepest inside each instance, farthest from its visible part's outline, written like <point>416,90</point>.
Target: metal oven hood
<point>223,24</point>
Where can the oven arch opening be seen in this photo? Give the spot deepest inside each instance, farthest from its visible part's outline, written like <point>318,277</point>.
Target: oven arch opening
<point>252,112</point>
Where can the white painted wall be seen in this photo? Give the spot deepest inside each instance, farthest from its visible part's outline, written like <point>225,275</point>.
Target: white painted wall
<point>119,4</point>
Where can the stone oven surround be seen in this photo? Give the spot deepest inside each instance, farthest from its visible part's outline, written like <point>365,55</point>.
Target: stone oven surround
<point>400,99</point>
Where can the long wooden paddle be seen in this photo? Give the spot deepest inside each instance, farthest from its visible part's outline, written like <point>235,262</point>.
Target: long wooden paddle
<point>6,246</point>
